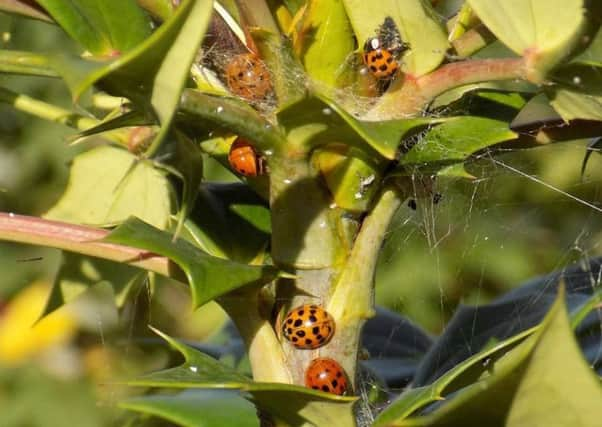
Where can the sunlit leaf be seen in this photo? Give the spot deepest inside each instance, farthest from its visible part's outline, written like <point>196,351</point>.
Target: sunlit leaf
<point>457,139</point>
<point>208,276</point>
<point>104,28</point>
<point>325,27</point>
<point>108,185</point>
<point>534,28</point>
<point>417,22</point>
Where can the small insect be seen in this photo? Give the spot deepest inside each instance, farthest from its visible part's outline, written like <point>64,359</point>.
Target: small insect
<point>308,326</point>
<point>383,52</point>
<point>244,159</point>
<point>248,77</point>
<point>326,375</point>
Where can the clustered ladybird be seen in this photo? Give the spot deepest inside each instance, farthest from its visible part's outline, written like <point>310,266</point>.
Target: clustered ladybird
<point>308,326</point>
<point>326,375</point>
<point>248,77</point>
<point>244,159</point>
<point>382,53</point>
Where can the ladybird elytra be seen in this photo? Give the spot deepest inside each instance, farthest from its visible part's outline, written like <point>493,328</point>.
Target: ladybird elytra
<point>326,375</point>
<point>382,53</point>
<point>244,159</point>
<point>248,77</point>
<point>308,326</point>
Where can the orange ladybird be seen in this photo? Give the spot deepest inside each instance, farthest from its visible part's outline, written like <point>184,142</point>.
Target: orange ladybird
<point>382,53</point>
<point>326,375</point>
<point>308,326</point>
<point>244,159</point>
<point>248,77</point>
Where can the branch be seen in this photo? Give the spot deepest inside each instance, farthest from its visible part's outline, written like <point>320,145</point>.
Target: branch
<point>82,240</point>
<point>352,302</point>
<point>412,94</point>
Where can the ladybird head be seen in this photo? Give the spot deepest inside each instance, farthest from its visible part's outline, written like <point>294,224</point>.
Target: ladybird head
<point>372,44</point>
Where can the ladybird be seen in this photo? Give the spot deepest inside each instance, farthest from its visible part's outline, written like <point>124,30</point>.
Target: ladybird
<point>308,326</point>
<point>382,53</point>
<point>326,375</point>
<point>248,77</point>
<point>244,159</point>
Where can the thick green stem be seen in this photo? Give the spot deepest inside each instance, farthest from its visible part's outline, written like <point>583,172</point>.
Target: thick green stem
<point>352,302</point>
<point>82,240</point>
<point>265,352</point>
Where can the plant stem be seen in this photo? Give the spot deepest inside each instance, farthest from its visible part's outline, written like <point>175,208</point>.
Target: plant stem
<point>265,353</point>
<point>412,94</point>
<point>82,240</point>
<point>46,111</point>
<point>472,41</point>
<point>352,302</point>
<point>26,63</point>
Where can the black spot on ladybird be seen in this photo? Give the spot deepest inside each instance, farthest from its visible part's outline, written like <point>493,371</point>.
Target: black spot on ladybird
<point>320,338</point>
<point>383,67</point>
<point>289,330</point>
<point>379,55</point>
<point>373,68</point>
<point>298,323</point>
<point>289,321</point>
<point>389,59</point>
<point>313,318</point>
<point>334,383</point>
<point>325,388</point>
<point>315,330</point>
<point>300,312</point>
<point>308,341</point>
<point>295,339</point>
<point>300,333</point>
<point>339,375</point>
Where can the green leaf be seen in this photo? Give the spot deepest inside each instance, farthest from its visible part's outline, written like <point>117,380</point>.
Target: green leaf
<point>325,27</point>
<point>294,404</point>
<point>529,385</point>
<point>455,379</point>
<point>573,105</point>
<point>417,22</point>
<point>108,185</point>
<point>543,31</point>
<point>209,277</point>
<point>80,274</point>
<point>456,140</point>
<point>324,121</point>
<point>229,221</point>
<point>198,408</point>
<point>231,114</point>
<point>103,28</point>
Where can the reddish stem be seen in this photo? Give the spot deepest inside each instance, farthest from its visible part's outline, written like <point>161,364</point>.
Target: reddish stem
<point>77,238</point>
<point>415,93</point>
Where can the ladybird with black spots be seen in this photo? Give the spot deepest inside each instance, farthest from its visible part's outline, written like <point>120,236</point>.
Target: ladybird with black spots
<point>326,375</point>
<point>308,326</point>
<point>383,52</point>
<point>244,159</point>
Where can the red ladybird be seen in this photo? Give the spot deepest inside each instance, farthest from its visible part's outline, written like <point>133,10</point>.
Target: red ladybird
<point>308,326</point>
<point>326,375</point>
<point>244,159</point>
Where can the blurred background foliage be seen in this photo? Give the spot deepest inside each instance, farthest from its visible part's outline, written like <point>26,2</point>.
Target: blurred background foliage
<point>483,238</point>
